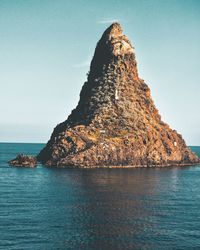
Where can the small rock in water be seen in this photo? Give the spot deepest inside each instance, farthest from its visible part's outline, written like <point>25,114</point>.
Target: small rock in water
<point>24,161</point>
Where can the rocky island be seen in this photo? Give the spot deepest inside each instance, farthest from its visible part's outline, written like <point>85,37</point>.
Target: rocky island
<point>24,161</point>
<point>115,123</point>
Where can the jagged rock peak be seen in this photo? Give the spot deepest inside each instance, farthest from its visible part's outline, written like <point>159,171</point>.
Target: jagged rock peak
<point>115,42</point>
<point>115,122</point>
<point>114,53</point>
<point>114,30</point>
<point>113,66</point>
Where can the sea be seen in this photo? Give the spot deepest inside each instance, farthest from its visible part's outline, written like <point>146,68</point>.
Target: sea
<point>48,208</point>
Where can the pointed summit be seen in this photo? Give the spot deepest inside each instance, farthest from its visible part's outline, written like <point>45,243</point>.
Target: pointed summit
<point>115,122</point>
<point>112,46</point>
<point>118,43</point>
<point>114,30</point>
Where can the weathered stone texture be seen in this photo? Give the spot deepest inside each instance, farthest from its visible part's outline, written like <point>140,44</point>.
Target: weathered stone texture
<point>115,123</point>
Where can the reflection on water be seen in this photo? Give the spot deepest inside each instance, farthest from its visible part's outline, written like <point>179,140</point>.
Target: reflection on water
<point>118,210</point>
<point>98,209</point>
<point>174,179</point>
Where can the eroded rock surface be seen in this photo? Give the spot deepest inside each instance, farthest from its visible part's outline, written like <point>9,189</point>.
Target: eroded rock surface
<point>115,123</point>
<point>24,161</point>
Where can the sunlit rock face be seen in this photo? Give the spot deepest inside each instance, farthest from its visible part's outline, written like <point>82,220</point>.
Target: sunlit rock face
<point>115,123</point>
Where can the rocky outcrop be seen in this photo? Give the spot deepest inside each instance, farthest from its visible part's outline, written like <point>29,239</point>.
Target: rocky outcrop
<point>115,123</point>
<point>24,161</point>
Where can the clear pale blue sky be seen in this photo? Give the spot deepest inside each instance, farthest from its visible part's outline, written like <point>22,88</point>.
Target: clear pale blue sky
<point>46,47</point>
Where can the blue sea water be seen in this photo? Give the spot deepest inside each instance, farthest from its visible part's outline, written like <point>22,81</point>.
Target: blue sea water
<point>43,208</point>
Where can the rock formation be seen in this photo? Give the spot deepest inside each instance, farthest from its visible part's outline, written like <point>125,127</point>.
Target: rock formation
<point>24,161</point>
<point>115,123</point>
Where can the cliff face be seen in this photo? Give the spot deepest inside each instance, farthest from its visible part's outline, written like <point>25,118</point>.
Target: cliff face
<point>115,122</point>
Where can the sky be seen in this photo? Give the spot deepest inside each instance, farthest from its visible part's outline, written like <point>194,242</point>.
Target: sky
<point>46,47</point>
